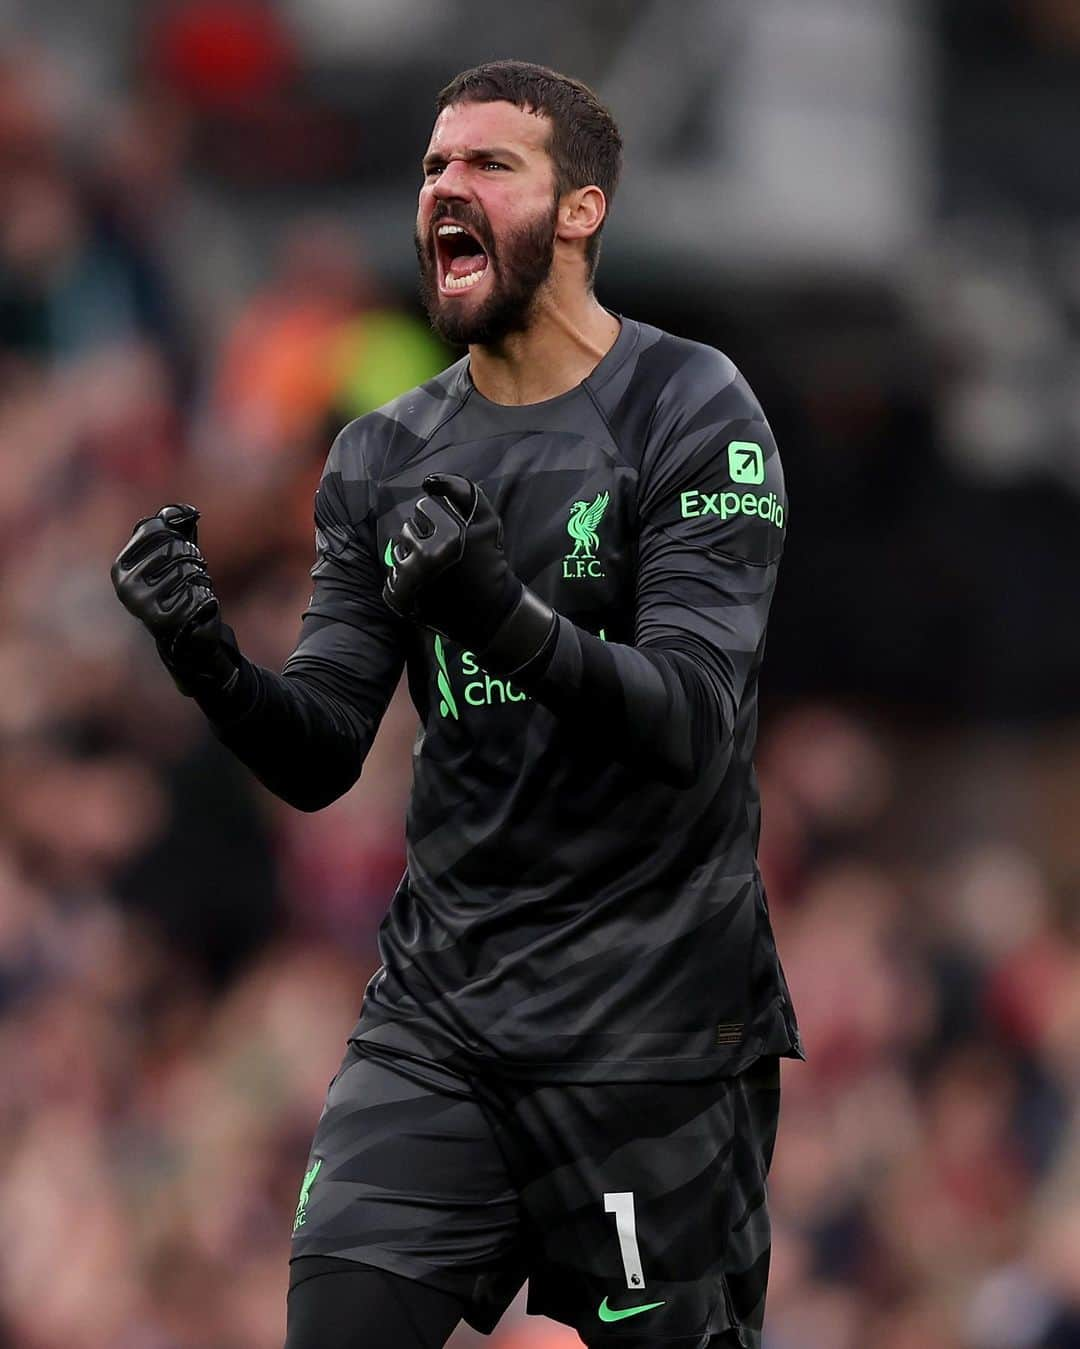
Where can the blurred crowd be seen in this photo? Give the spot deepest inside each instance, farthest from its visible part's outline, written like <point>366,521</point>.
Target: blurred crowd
<point>181,955</point>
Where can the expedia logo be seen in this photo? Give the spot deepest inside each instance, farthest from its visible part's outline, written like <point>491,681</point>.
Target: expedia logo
<point>726,504</point>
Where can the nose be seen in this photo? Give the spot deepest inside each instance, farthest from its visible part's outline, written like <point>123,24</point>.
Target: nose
<point>452,182</point>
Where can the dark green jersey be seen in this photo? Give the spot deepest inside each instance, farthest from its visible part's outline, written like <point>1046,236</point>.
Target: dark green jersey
<point>582,897</point>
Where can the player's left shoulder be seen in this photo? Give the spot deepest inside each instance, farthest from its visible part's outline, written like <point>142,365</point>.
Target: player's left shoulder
<point>703,385</point>
<point>712,470</point>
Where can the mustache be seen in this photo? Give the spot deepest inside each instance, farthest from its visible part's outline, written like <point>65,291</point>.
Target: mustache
<point>477,224</point>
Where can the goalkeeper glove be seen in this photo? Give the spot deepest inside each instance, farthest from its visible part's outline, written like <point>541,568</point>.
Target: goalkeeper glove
<point>449,572</point>
<point>161,577</point>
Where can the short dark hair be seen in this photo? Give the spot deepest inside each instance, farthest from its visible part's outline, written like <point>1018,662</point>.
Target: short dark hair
<point>585,144</point>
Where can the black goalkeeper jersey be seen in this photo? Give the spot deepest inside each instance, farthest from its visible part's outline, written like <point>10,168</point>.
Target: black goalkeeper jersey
<point>582,898</point>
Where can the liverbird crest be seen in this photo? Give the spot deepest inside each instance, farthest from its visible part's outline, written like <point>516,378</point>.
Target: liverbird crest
<point>583,523</point>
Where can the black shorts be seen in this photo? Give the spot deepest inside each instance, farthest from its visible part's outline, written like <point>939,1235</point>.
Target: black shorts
<point>635,1210</point>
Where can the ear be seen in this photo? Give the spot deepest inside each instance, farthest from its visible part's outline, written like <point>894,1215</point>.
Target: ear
<point>581,213</point>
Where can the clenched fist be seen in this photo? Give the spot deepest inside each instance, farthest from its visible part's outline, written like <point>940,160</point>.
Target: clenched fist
<point>161,578</point>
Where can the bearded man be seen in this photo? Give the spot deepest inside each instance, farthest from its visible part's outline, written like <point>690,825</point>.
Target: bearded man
<point>566,1069</point>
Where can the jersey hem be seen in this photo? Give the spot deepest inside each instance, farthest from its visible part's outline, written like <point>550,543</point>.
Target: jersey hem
<point>774,1035</point>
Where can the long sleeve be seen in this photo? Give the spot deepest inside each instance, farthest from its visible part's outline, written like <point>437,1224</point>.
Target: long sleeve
<point>711,526</point>
<point>305,732</point>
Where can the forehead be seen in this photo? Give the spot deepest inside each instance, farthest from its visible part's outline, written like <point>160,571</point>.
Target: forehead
<point>469,126</point>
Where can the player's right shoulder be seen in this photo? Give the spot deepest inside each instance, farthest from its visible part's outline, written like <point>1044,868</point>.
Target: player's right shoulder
<point>363,448</point>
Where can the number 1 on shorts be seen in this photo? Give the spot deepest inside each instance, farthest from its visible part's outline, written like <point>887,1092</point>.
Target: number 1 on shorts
<point>621,1203</point>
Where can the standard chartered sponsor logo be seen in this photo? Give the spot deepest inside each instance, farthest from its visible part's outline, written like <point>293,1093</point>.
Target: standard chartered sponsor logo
<point>483,689</point>
<point>447,702</point>
<point>476,687</point>
<point>726,504</point>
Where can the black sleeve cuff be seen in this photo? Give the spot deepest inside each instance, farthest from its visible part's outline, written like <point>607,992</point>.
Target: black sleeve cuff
<point>522,637</point>
<point>231,701</point>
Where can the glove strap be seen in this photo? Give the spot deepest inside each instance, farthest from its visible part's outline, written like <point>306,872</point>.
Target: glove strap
<point>521,637</point>
<point>207,668</point>
<point>232,700</point>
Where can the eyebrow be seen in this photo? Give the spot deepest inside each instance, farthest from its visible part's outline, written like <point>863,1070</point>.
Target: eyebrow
<point>494,152</point>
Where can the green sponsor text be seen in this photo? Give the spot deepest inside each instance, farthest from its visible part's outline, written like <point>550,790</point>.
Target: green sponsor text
<point>477,687</point>
<point>726,504</point>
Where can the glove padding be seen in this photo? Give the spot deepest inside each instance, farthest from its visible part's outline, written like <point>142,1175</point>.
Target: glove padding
<point>161,577</point>
<point>449,570</point>
<point>450,573</point>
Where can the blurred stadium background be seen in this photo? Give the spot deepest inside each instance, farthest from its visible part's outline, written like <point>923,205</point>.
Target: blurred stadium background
<point>206,268</point>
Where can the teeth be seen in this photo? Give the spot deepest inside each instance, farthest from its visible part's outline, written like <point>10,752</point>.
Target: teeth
<point>459,282</point>
<point>463,282</point>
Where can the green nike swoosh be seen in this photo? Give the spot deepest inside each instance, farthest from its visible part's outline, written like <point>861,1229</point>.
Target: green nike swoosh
<point>607,1313</point>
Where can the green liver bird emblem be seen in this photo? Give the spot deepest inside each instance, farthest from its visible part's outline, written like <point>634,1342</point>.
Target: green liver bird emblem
<point>305,1190</point>
<point>583,524</point>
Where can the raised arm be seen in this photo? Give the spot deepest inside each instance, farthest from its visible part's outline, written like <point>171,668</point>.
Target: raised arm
<point>305,732</point>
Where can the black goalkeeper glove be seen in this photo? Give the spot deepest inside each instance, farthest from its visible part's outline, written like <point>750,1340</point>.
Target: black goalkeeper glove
<point>450,573</point>
<point>161,577</point>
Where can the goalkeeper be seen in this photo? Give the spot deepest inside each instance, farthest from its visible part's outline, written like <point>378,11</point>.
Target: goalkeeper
<point>567,1067</point>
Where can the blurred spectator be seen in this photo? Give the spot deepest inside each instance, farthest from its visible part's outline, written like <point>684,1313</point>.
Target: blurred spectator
<point>215,54</point>
<point>312,343</point>
<point>279,367</point>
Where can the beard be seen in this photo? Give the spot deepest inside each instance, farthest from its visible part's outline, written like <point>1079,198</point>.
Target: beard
<point>519,267</point>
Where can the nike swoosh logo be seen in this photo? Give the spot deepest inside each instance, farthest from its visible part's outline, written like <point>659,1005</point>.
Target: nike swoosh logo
<point>607,1313</point>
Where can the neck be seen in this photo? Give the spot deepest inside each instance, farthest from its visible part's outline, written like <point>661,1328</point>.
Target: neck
<point>563,344</point>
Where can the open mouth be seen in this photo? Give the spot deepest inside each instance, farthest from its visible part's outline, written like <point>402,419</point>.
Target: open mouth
<point>462,260</point>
